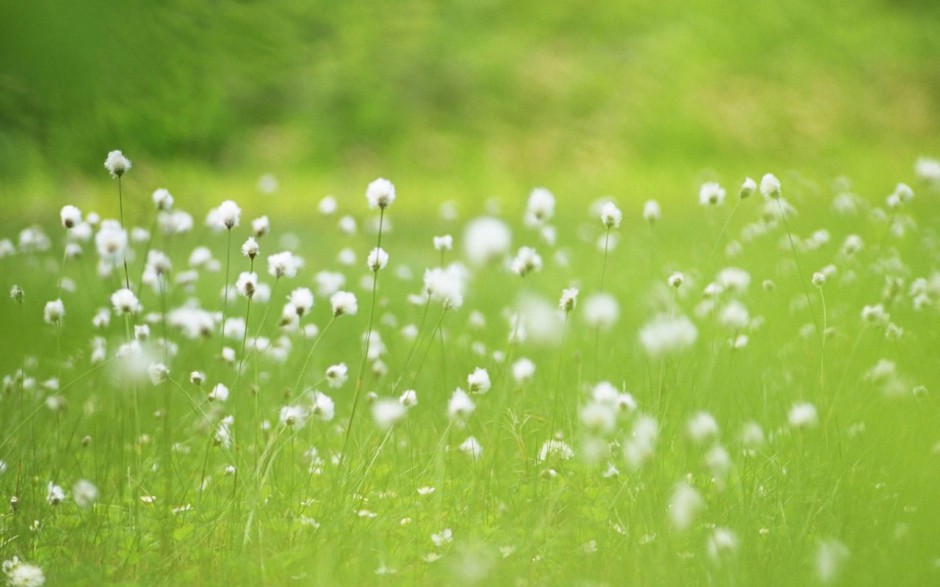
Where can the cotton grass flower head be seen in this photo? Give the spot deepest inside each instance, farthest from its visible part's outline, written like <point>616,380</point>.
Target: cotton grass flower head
<point>344,304</point>
<point>260,226</point>
<point>247,284</point>
<point>54,494</point>
<point>748,188</point>
<point>117,164</point>
<point>336,375</point>
<point>377,259</point>
<point>598,417</point>
<point>668,334</point>
<point>722,543</point>
<point>446,285</point>
<point>540,207</point>
<point>322,406</point>
<point>53,312</point>
<point>380,194</point>
<point>282,264</point>
<point>526,261</point>
<point>460,406</point>
<point>770,186</point>
<point>301,301</point>
<point>84,493</point>
<point>831,556</point>
<point>711,194</point>
<point>676,280</point>
<point>651,212</point>
<point>702,427</point>
<point>684,506</point>
<point>158,373</point>
<point>486,239</point>
<point>70,216</point>
<point>569,299</point>
<point>471,447</point>
<point>387,412</point>
<point>803,415</point>
<point>641,445</point>
<point>408,398</point>
<point>927,170</point>
<point>444,242</point>
<point>162,199</point>
<point>479,381</point>
<point>219,393</point>
<point>229,214</point>
<point>611,216</point>
<point>125,302</point>
<point>601,310</point>
<point>292,417</point>
<point>22,574</point>
<point>250,248</point>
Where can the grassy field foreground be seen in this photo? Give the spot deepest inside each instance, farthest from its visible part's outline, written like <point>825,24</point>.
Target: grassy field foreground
<point>726,390</point>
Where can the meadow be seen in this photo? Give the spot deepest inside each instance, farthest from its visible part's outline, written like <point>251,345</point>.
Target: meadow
<point>733,386</point>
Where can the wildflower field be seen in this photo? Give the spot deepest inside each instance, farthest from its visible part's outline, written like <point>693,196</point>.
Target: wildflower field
<point>736,385</point>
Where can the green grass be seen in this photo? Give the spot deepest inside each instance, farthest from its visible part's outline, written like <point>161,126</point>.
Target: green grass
<point>864,476</point>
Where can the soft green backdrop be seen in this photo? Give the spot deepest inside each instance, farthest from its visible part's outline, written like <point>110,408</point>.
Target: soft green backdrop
<point>462,98</point>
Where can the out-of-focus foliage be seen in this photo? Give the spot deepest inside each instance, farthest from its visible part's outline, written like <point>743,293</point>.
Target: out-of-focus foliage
<point>526,84</point>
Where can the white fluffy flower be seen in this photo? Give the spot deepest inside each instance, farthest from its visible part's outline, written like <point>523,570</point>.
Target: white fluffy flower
<point>601,310</point>
<point>541,206</point>
<point>54,312</point>
<point>292,416</point>
<point>301,300</point>
<point>387,412</point>
<point>219,393</point>
<point>282,264</point>
<point>684,506</point>
<point>748,188</point>
<point>711,194</point>
<point>611,216</point>
<point>479,381</point>
<point>408,398</point>
<point>344,303</point>
<point>770,186</point>
<point>803,415</point>
<point>323,407</point>
<point>377,259</point>
<point>651,211</point>
<point>250,248</point>
<point>125,301</point>
<point>247,283</point>
<point>21,574</point>
<point>526,261</point>
<point>117,164</point>
<point>523,370</point>
<point>84,493</point>
<point>569,299</point>
<point>701,427</point>
<point>460,406</point>
<point>54,494</point>
<point>471,447</point>
<point>380,193</point>
<point>444,242</point>
<point>162,199</point>
<point>229,214</point>
<point>668,334</point>
<point>260,226</point>
<point>70,216</point>
<point>336,375</point>
<point>486,239</point>
<point>446,285</point>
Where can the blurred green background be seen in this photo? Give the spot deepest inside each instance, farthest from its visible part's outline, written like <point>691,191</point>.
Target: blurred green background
<point>466,97</point>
